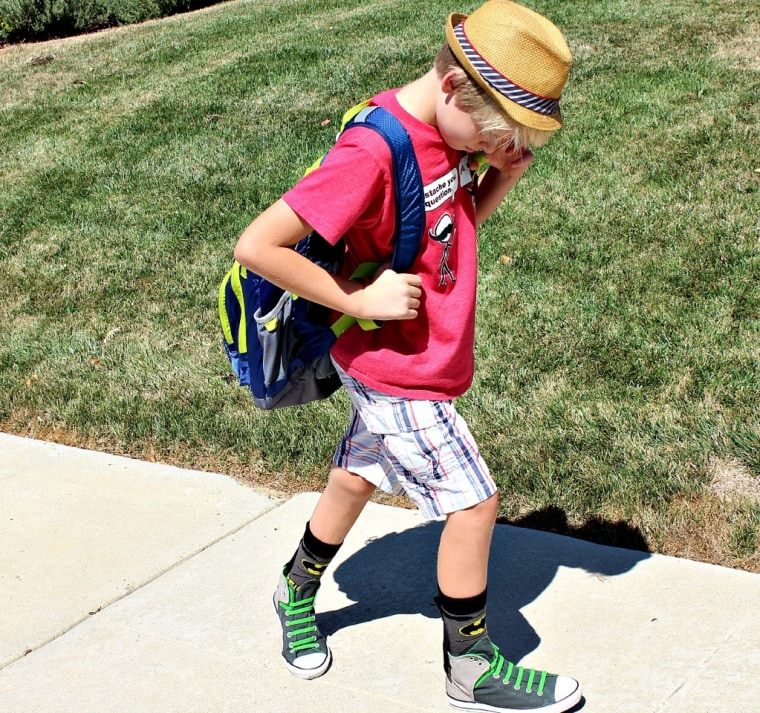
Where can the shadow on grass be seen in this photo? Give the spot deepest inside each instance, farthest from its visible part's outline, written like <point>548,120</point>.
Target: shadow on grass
<point>602,532</point>
<point>396,573</point>
<point>77,19</point>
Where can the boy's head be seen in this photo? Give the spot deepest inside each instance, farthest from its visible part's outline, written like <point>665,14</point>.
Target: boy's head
<point>515,62</point>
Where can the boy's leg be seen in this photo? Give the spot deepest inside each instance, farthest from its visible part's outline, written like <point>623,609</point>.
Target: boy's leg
<point>340,505</point>
<point>478,677</point>
<point>426,448</point>
<point>305,649</point>
<point>464,549</point>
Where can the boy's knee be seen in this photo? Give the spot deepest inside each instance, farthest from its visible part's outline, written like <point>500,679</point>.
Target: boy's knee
<point>353,484</point>
<point>490,508</point>
<point>484,513</point>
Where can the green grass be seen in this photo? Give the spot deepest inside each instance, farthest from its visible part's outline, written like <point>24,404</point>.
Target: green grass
<point>618,345</point>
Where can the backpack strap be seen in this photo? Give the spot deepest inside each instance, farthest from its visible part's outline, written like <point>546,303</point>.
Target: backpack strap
<point>408,193</point>
<point>407,183</point>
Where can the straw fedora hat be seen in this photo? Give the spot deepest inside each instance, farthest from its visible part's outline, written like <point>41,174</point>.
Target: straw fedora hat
<point>518,56</point>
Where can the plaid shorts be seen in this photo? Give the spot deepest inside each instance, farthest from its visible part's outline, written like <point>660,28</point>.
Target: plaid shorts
<point>421,448</point>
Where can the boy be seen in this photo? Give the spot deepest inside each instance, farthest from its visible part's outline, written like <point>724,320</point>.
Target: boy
<point>494,89</point>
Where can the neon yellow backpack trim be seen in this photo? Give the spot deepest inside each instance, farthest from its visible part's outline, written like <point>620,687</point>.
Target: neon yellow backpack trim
<point>350,114</point>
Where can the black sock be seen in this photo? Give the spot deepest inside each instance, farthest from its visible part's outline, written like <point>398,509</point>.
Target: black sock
<point>311,558</point>
<point>464,622</point>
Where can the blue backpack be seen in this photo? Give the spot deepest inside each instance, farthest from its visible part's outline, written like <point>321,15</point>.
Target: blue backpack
<point>279,344</point>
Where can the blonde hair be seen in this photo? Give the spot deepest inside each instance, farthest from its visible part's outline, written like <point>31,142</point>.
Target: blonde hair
<point>485,111</point>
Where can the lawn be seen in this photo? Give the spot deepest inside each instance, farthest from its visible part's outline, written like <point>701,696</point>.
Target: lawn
<point>618,342</point>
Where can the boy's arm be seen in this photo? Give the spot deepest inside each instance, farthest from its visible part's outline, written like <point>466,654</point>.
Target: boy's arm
<point>505,169</point>
<point>265,247</point>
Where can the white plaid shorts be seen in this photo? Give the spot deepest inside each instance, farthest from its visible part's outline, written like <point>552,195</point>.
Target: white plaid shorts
<point>421,448</point>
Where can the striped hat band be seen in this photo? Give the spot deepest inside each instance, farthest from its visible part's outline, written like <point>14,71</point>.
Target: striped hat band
<point>503,85</point>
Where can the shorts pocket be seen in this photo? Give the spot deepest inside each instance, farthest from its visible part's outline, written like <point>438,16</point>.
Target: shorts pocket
<point>388,414</point>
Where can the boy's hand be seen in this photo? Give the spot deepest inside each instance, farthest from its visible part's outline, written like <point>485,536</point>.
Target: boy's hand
<point>510,162</point>
<point>506,167</point>
<point>391,295</point>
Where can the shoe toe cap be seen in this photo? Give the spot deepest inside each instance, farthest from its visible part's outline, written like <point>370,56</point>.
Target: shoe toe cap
<point>567,688</point>
<point>311,665</point>
<point>309,662</point>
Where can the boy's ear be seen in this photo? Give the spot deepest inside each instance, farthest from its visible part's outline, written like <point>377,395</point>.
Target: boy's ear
<point>449,81</point>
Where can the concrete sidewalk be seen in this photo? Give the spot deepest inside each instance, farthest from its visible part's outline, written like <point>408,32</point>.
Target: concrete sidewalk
<point>129,586</point>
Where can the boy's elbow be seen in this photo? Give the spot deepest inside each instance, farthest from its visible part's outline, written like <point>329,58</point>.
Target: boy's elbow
<point>242,254</point>
<point>277,227</point>
<point>247,251</point>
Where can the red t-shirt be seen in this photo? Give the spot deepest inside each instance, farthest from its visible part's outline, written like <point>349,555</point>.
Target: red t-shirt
<point>351,195</point>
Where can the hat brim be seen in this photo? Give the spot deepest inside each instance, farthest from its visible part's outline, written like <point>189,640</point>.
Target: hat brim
<point>526,117</point>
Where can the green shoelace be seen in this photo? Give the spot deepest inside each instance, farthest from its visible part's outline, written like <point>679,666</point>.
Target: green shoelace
<point>497,666</point>
<point>300,614</point>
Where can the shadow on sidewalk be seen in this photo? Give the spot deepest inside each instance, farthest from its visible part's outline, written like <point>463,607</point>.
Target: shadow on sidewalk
<point>396,573</point>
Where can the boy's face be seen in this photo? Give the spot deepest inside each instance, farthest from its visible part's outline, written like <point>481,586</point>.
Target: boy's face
<point>458,129</point>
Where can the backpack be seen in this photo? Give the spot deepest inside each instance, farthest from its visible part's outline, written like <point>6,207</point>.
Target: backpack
<point>279,344</point>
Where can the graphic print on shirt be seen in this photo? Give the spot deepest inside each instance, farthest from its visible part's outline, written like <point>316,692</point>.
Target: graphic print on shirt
<point>466,174</point>
<point>437,194</point>
<point>443,233</point>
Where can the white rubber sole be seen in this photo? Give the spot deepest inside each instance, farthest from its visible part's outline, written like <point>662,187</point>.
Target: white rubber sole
<point>313,672</point>
<point>571,699</point>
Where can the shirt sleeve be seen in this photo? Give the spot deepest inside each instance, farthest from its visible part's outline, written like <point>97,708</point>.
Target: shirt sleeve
<point>349,189</point>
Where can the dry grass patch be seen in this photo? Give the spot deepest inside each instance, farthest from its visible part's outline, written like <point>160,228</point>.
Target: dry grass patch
<point>742,51</point>
<point>732,479</point>
<point>709,528</point>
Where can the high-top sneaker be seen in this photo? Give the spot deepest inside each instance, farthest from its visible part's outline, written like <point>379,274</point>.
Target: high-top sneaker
<point>304,648</point>
<point>481,679</point>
